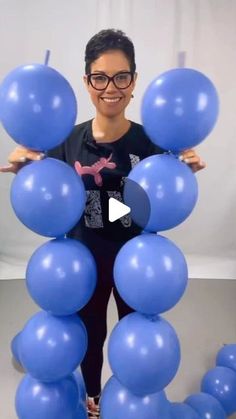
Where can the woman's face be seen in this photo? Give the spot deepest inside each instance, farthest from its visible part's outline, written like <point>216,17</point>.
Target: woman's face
<point>112,101</point>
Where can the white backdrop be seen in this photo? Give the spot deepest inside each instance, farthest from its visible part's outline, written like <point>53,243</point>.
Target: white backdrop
<point>206,30</point>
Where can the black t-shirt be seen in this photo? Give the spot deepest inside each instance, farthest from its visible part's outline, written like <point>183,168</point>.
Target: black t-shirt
<point>104,167</point>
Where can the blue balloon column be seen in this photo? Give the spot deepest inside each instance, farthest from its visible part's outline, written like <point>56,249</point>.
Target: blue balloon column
<point>38,110</point>
<point>220,381</point>
<point>206,406</point>
<point>217,399</point>
<point>179,110</point>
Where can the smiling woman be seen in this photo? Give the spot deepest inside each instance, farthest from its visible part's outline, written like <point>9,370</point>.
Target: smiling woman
<point>110,85</point>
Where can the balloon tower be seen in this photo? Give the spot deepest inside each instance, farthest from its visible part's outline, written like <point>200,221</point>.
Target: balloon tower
<point>179,109</point>
<point>38,110</point>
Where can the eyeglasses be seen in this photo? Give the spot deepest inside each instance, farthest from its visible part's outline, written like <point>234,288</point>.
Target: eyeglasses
<point>100,81</point>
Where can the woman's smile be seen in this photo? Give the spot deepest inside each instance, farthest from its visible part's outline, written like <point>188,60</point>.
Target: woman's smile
<point>111,100</point>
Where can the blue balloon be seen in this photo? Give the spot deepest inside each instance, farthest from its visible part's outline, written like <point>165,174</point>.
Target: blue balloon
<point>150,273</point>
<point>58,400</point>
<point>38,106</point>
<point>183,411</point>
<point>171,188</point>
<point>144,353</point>
<point>48,197</point>
<point>81,385</point>
<point>206,406</point>
<point>220,382</point>
<point>52,347</point>
<point>15,345</point>
<point>118,402</point>
<point>81,412</point>
<point>226,357</point>
<point>61,276</point>
<point>179,109</point>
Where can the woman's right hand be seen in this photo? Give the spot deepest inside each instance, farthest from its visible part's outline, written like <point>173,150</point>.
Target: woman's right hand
<point>19,158</point>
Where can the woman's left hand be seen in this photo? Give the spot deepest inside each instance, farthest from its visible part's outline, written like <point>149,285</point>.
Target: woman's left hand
<point>191,158</point>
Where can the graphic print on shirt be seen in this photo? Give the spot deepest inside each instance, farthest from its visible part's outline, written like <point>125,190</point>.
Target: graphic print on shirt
<point>93,216</point>
<point>93,210</point>
<point>134,160</point>
<point>95,169</point>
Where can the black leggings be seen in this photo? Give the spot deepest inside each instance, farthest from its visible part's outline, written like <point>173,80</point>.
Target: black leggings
<point>94,316</point>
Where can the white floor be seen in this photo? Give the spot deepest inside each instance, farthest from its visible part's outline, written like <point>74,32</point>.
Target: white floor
<point>204,319</point>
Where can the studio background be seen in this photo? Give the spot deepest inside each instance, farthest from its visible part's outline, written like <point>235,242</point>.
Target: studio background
<point>206,30</point>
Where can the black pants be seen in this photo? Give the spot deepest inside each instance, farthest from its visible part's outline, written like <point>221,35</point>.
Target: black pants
<point>94,316</point>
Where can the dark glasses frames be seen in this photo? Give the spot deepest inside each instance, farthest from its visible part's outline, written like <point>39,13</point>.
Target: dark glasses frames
<point>100,81</point>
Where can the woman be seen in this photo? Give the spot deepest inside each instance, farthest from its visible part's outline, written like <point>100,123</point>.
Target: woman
<point>103,151</point>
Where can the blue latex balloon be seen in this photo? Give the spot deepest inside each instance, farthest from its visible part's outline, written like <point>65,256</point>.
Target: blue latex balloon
<point>171,188</point>
<point>81,385</point>
<point>81,412</point>
<point>150,273</point>
<point>48,197</point>
<point>117,402</point>
<point>220,382</point>
<point>38,106</point>
<point>183,411</point>
<point>179,109</point>
<point>226,357</point>
<point>206,406</point>
<point>61,276</point>
<point>15,344</point>
<point>144,353</point>
<point>52,347</point>
<point>58,400</point>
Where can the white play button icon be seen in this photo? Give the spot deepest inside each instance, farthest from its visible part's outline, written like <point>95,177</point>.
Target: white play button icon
<point>117,210</point>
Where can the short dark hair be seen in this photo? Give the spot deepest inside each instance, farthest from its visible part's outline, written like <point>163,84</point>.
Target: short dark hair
<point>105,40</point>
